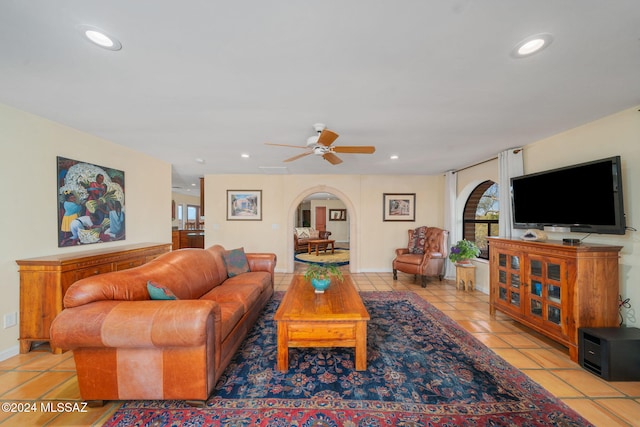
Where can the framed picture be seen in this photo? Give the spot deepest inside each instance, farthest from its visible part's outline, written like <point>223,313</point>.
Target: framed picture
<point>399,207</point>
<point>337,214</point>
<point>244,205</point>
<point>90,203</point>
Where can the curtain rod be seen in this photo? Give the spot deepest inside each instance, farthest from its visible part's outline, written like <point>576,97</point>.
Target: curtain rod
<point>515,151</point>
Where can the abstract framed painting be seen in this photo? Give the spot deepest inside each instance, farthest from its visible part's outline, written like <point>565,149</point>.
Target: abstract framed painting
<point>244,205</point>
<point>91,206</point>
<point>399,206</point>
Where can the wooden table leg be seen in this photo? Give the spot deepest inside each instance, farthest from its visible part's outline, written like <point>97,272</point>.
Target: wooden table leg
<point>361,346</point>
<point>309,248</point>
<point>283,347</point>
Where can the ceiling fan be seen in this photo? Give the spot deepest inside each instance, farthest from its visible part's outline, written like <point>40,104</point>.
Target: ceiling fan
<point>320,145</point>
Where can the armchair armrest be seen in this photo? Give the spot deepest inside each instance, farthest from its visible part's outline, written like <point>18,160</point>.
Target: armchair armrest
<point>137,324</point>
<point>324,234</point>
<point>402,251</point>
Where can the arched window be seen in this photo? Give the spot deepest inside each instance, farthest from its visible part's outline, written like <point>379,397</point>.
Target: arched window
<point>480,217</point>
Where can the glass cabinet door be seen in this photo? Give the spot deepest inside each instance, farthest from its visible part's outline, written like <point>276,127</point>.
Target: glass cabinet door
<point>546,291</point>
<point>509,280</point>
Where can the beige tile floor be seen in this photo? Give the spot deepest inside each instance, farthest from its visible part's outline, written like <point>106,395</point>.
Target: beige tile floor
<point>41,380</point>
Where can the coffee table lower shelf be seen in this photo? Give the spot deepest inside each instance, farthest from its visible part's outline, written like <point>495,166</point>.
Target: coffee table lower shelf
<point>322,334</point>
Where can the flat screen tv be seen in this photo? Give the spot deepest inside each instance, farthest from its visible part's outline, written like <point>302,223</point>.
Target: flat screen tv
<point>586,197</point>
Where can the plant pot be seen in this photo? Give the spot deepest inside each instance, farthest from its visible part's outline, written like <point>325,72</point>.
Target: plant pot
<point>464,262</point>
<point>320,285</point>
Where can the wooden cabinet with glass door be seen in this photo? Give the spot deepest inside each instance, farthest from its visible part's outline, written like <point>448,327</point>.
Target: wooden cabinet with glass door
<point>555,288</point>
<point>548,289</point>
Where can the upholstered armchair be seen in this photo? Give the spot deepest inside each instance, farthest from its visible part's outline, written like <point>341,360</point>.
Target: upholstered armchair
<point>425,255</point>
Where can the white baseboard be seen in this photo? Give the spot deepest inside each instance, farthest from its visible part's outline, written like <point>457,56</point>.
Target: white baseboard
<point>10,352</point>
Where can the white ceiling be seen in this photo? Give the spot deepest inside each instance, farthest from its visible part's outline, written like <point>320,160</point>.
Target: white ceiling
<point>430,81</point>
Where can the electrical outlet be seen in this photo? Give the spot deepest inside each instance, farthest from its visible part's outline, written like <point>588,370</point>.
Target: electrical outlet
<point>10,319</point>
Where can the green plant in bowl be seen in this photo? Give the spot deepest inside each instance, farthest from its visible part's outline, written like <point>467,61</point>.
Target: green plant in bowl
<point>320,275</point>
<point>464,250</point>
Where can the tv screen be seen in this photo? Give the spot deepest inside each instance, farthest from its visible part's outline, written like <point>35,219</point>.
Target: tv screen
<point>585,197</point>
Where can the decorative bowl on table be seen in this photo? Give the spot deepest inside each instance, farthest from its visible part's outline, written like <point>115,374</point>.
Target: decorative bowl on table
<point>320,285</point>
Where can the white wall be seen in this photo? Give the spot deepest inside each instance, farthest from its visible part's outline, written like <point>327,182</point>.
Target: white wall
<point>29,220</point>
<point>339,229</point>
<point>372,240</point>
<point>468,180</point>
<point>618,134</point>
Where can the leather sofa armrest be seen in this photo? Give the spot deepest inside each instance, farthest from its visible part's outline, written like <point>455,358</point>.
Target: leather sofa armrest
<point>137,324</point>
<point>262,262</point>
<point>402,251</point>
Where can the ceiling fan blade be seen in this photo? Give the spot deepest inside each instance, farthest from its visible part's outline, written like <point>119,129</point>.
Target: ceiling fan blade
<point>362,149</point>
<point>291,159</point>
<point>327,137</point>
<point>332,158</point>
<point>284,145</point>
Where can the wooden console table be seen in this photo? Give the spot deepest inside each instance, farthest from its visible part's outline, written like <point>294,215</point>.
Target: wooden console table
<point>45,280</point>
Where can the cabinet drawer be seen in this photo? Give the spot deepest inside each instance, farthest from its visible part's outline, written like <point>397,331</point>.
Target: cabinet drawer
<point>318,332</point>
<point>92,271</point>
<point>123,265</point>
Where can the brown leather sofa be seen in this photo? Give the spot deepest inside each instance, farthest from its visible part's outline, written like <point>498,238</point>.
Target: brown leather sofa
<point>301,239</point>
<point>127,346</point>
<point>425,254</point>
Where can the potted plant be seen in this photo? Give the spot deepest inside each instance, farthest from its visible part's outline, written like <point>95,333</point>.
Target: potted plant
<point>463,251</point>
<point>320,275</point>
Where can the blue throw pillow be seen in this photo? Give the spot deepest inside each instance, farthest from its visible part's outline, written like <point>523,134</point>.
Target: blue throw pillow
<point>159,292</point>
<point>236,262</point>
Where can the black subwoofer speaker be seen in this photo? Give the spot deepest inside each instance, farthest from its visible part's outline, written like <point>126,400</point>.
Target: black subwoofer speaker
<point>610,353</point>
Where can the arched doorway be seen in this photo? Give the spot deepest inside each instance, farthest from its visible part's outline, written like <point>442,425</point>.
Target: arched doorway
<point>353,237</point>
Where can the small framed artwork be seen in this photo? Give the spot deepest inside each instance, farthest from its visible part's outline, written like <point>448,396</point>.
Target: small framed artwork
<point>337,214</point>
<point>399,206</point>
<point>244,205</point>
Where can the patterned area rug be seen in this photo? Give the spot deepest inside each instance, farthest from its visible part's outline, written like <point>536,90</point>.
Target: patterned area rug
<point>340,257</point>
<point>422,370</point>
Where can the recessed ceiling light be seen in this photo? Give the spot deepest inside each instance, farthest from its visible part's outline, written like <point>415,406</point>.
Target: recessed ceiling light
<point>244,155</point>
<point>531,45</point>
<point>199,160</point>
<point>394,157</point>
<point>100,37</point>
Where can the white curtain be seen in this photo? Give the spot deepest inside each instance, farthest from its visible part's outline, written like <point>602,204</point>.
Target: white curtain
<point>510,164</point>
<point>451,220</point>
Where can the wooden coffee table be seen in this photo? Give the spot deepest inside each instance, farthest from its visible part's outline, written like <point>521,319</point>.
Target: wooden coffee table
<point>321,242</point>
<point>335,318</point>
